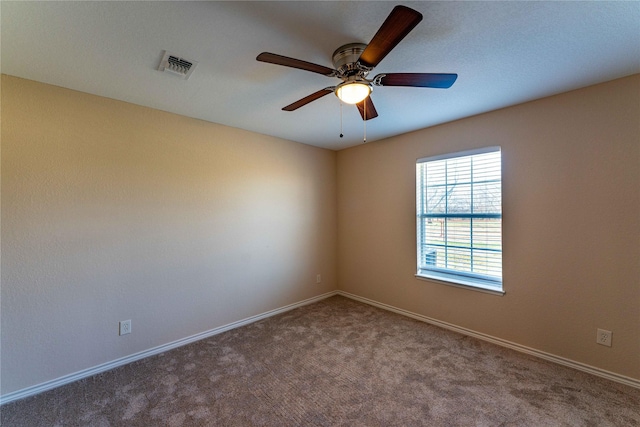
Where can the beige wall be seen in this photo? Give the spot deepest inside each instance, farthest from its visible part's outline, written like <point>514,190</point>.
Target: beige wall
<point>571,224</point>
<point>112,211</point>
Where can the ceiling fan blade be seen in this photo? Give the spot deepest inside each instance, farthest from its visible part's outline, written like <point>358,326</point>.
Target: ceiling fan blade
<point>398,24</point>
<point>435,80</point>
<point>273,58</point>
<point>307,99</point>
<point>370,109</point>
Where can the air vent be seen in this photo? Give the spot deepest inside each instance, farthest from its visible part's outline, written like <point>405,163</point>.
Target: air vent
<point>176,65</point>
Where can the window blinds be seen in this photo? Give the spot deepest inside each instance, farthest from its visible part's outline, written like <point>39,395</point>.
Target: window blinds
<point>459,215</point>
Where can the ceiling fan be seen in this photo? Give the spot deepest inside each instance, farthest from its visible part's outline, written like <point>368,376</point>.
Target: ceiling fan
<point>354,61</point>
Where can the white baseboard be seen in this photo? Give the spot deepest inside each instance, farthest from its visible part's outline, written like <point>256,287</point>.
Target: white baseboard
<point>67,379</point>
<point>48,385</point>
<point>504,343</point>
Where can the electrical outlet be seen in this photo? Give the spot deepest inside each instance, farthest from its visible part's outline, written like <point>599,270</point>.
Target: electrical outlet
<point>125,327</point>
<point>318,278</point>
<point>604,337</point>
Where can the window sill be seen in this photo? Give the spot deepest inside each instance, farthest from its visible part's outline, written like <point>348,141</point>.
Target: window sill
<point>459,282</point>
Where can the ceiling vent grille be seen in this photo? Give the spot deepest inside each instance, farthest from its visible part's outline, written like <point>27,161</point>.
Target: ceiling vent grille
<point>176,65</point>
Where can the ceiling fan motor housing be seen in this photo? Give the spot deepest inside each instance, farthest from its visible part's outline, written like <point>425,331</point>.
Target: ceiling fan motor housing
<point>345,60</point>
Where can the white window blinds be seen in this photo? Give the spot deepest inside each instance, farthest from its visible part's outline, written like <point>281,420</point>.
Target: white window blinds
<point>459,217</point>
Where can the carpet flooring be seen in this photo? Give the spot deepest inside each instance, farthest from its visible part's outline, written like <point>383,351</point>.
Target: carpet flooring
<point>336,362</point>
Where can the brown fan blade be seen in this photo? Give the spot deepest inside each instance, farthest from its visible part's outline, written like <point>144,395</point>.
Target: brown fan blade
<point>307,99</point>
<point>398,24</point>
<point>273,58</point>
<point>371,109</point>
<point>435,80</point>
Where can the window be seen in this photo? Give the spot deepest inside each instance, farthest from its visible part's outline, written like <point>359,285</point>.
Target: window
<point>459,218</point>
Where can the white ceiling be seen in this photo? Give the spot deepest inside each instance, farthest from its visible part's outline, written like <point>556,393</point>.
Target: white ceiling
<point>505,53</point>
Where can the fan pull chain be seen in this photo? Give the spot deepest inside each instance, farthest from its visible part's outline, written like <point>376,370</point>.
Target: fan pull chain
<point>364,140</point>
<point>341,135</point>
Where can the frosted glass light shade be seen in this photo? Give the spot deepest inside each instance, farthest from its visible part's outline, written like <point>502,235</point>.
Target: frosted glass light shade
<point>352,93</point>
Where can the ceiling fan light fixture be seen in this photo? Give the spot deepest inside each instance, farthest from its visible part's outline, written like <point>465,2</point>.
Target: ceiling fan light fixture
<point>353,92</point>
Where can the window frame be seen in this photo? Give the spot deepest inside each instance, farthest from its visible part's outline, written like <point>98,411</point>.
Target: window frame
<point>473,281</point>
